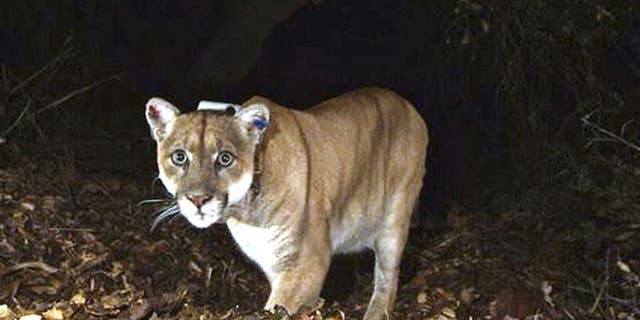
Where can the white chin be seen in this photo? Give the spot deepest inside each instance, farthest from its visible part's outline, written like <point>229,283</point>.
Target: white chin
<point>202,222</point>
<point>209,215</point>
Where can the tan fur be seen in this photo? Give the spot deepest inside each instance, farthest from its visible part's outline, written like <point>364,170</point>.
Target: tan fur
<point>340,177</point>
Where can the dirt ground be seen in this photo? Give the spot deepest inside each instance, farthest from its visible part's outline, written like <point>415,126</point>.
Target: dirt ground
<point>76,246</point>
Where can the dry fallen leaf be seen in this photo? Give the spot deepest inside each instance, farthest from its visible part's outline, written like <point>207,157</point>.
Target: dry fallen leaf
<point>422,297</point>
<point>140,309</point>
<point>79,298</point>
<point>29,206</point>
<point>445,294</point>
<point>111,302</point>
<point>53,314</point>
<point>448,312</point>
<point>468,295</point>
<point>117,268</point>
<point>42,290</point>
<point>623,266</point>
<point>31,317</point>
<point>485,25</point>
<point>117,299</point>
<point>18,217</point>
<point>51,203</point>
<point>5,312</point>
<point>546,290</point>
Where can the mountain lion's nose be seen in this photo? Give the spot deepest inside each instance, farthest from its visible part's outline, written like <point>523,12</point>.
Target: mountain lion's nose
<point>199,199</point>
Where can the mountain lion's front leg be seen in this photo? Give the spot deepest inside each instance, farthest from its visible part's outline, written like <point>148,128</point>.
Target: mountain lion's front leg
<point>300,284</point>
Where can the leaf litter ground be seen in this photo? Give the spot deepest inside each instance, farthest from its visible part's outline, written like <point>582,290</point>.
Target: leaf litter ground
<point>84,251</point>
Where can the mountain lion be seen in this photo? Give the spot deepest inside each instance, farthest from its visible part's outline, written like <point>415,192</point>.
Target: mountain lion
<point>295,187</point>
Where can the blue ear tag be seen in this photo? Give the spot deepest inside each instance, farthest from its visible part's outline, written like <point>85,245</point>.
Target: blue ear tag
<point>260,124</point>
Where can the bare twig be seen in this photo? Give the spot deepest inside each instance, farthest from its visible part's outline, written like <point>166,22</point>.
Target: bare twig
<point>17,121</point>
<point>14,291</point>
<point>33,76</point>
<point>72,229</point>
<point>44,68</point>
<point>608,133</point>
<point>75,93</point>
<point>36,126</point>
<point>628,303</point>
<point>24,112</point>
<point>601,292</point>
<point>624,126</point>
<point>208,278</point>
<point>568,314</point>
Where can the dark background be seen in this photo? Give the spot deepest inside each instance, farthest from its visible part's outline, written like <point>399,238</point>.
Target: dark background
<point>444,56</point>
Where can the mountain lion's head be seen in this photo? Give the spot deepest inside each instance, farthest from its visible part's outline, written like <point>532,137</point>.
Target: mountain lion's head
<point>206,158</point>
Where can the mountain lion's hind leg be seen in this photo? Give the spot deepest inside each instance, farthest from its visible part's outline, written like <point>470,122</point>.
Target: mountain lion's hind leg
<point>388,249</point>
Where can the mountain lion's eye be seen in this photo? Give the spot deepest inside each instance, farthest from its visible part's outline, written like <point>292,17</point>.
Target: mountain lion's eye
<point>179,157</point>
<point>225,159</point>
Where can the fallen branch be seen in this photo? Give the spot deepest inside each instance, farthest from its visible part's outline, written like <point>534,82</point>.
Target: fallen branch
<point>30,265</point>
<point>75,93</point>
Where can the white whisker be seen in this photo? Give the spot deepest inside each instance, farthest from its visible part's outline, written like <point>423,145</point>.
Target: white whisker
<point>163,214</point>
<point>148,201</point>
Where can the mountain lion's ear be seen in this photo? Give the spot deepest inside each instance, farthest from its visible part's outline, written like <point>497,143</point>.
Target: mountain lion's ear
<point>159,113</point>
<point>255,118</point>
